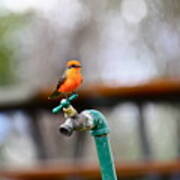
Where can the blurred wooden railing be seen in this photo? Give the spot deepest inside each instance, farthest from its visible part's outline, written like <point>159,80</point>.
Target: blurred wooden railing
<point>161,89</point>
<point>154,87</point>
<point>92,171</point>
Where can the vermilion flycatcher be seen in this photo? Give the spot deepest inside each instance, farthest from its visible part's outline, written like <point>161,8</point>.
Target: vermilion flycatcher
<point>70,81</point>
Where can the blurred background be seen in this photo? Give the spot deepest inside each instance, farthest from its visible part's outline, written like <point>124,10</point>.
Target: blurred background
<point>129,50</point>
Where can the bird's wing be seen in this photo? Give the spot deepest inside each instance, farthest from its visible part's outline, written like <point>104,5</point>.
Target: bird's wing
<point>56,93</point>
<point>61,81</point>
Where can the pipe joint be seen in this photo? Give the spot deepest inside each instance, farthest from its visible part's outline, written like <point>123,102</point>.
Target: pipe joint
<point>100,125</point>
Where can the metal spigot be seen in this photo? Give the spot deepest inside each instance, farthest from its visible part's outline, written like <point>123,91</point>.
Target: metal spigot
<point>70,115</point>
<point>96,123</point>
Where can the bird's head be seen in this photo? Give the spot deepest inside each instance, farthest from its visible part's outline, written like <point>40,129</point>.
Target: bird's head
<point>73,64</point>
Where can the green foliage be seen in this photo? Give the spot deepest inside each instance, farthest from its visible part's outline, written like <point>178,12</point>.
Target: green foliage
<point>9,24</point>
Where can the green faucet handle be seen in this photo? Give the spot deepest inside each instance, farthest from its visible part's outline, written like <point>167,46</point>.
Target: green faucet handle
<point>73,97</point>
<point>65,103</point>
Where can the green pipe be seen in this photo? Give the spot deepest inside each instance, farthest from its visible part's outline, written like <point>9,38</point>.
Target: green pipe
<point>100,134</point>
<point>105,158</point>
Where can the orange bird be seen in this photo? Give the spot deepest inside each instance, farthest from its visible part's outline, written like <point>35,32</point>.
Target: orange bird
<point>70,81</point>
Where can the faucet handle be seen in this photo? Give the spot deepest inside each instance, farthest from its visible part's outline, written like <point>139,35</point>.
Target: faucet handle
<point>72,97</point>
<point>65,103</point>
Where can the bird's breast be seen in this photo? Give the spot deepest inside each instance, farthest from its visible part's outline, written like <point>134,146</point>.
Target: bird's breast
<point>71,83</point>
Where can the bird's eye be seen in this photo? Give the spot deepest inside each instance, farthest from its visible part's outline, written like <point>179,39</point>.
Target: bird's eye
<point>74,66</point>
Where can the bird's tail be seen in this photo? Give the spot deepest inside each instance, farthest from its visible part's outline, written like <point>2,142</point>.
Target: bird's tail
<point>54,95</point>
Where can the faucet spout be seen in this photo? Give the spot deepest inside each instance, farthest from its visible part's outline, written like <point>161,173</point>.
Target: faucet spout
<point>67,127</point>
